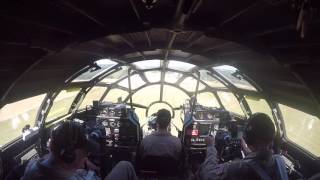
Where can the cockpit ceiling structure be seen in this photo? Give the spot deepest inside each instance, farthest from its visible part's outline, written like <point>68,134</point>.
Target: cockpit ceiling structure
<point>277,82</point>
<point>43,43</point>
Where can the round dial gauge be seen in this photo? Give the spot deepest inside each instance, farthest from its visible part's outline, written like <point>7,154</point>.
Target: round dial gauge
<point>105,123</point>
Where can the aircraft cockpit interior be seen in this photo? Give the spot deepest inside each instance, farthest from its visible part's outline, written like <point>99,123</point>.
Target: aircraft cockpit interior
<point>110,66</point>
<point>120,106</point>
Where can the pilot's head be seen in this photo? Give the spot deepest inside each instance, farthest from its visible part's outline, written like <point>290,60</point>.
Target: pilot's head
<point>69,144</point>
<point>260,131</point>
<point>163,118</point>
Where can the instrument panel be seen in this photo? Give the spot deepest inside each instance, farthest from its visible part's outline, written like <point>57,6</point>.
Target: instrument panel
<point>215,122</point>
<point>119,122</point>
<point>110,123</point>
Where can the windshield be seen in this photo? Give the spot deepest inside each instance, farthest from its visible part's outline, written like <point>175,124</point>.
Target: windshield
<point>155,85</point>
<point>62,103</point>
<point>93,95</point>
<point>98,67</point>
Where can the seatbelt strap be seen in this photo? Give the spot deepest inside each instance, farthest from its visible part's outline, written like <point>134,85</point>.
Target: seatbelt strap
<point>260,172</point>
<point>282,172</point>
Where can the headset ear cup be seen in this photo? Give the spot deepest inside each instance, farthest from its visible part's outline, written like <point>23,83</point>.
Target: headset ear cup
<point>248,135</point>
<point>248,139</point>
<point>68,155</point>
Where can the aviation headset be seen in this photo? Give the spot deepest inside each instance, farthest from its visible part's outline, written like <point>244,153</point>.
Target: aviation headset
<point>248,134</point>
<point>66,146</point>
<point>259,127</point>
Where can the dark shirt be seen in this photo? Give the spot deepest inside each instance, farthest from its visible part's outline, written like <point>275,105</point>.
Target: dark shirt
<point>43,169</point>
<point>161,144</point>
<point>239,169</point>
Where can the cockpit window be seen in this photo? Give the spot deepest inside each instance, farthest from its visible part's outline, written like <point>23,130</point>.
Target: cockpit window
<point>209,80</point>
<point>172,77</point>
<point>233,75</point>
<point>147,95</point>
<point>14,116</point>
<point>153,76</point>
<point>230,102</point>
<point>180,66</point>
<point>207,99</point>
<point>173,82</point>
<point>114,95</point>
<point>62,103</point>
<point>148,64</point>
<point>302,129</point>
<point>97,68</point>
<point>174,96</point>
<point>259,105</point>
<point>190,84</point>
<point>116,76</point>
<point>141,113</point>
<point>93,95</point>
<point>135,80</point>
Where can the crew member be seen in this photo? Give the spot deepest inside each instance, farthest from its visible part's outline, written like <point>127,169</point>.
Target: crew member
<point>161,142</point>
<point>68,157</point>
<point>260,163</point>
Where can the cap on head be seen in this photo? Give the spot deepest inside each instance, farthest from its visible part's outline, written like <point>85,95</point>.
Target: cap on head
<point>260,129</point>
<point>163,118</point>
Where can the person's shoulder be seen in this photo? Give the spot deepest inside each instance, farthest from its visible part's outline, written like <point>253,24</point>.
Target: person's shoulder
<point>147,138</point>
<point>175,138</point>
<point>31,170</point>
<point>237,166</point>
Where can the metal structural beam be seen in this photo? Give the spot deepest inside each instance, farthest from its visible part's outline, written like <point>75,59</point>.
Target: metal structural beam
<point>241,12</point>
<point>134,8</point>
<point>82,12</point>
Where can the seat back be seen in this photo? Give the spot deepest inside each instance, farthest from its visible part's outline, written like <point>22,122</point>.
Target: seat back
<point>159,166</point>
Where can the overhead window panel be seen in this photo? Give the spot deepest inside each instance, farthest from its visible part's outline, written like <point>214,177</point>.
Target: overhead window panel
<point>172,77</point>
<point>147,95</point>
<point>153,76</point>
<point>233,75</point>
<point>116,75</point>
<point>174,96</point>
<point>209,80</point>
<point>190,84</point>
<point>148,64</point>
<point>302,128</point>
<point>136,82</point>
<point>207,99</point>
<point>230,102</point>
<point>116,94</point>
<point>180,66</point>
<point>100,67</point>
